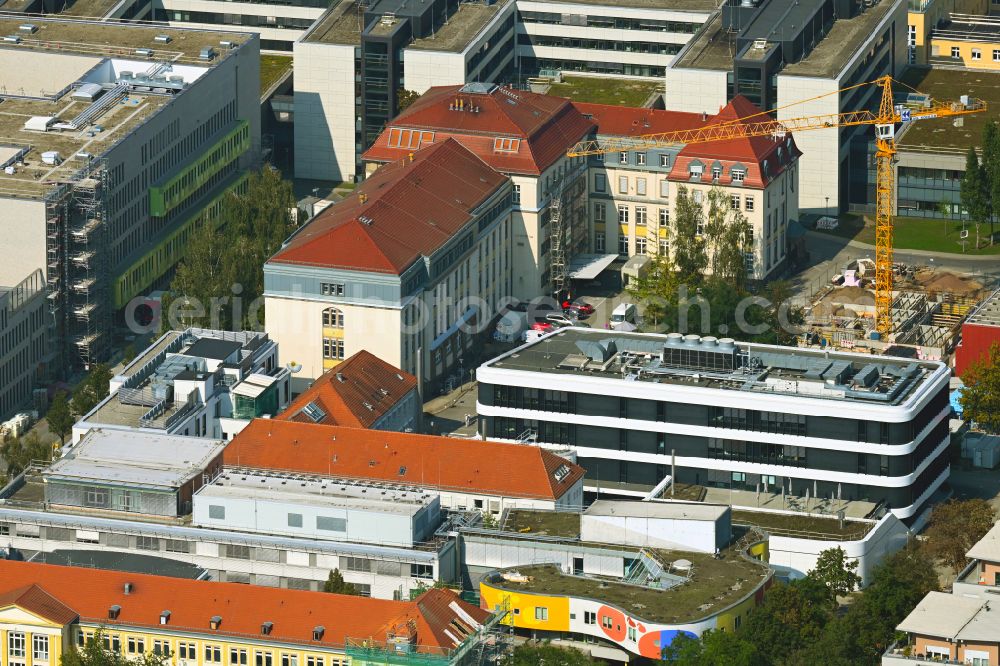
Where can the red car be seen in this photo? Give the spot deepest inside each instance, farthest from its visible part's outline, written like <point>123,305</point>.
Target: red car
<point>542,326</point>
<point>581,309</point>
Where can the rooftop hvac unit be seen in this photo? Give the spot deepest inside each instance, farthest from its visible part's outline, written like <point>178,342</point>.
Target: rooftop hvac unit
<point>207,53</point>
<point>29,28</point>
<point>163,39</point>
<point>12,39</point>
<point>144,53</point>
<point>227,44</point>
<point>88,92</point>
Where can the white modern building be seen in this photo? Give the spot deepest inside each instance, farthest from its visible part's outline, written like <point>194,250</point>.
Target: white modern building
<point>802,59</point>
<point>778,421</point>
<point>690,526</point>
<point>196,382</point>
<point>24,342</point>
<point>120,146</point>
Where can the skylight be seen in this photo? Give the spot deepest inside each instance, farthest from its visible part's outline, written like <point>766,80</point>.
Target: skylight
<point>313,411</point>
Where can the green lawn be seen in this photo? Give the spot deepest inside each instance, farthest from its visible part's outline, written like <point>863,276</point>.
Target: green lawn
<point>915,233</point>
<point>272,67</point>
<point>594,90</point>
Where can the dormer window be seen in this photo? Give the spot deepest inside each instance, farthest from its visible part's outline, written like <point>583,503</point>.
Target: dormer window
<point>318,633</point>
<point>716,173</point>
<point>739,175</point>
<point>696,170</point>
<point>114,612</point>
<point>561,473</point>
<point>165,617</point>
<point>506,145</point>
<point>266,627</point>
<point>215,622</point>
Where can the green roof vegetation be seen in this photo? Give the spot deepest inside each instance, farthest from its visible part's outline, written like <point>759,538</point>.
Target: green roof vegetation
<point>947,85</point>
<point>594,90</point>
<point>812,527</point>
<point>549,523</point>
<point>272,68</point>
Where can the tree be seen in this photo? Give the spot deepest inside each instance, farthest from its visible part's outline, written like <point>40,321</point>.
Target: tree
<point>991,171</point>
<point>835,571</point>
<point>713,648</point>
<point>94,388</point>
<point>792,617</point>
<point>955,526</point>
<point>728,232</point>
<point>221,275</point>
<point>980,397</point>
<point>533,654</point>
<point>973,191</point>
<point>95,654</point>
<point>687,239</point>
<point>19,452</point>
<point>335,584</point>
<point>656,290</point>
<point>404,98</point>
<point>60,417</point>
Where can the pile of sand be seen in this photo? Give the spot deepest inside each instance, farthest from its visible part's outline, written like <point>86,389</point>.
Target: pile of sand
<point>950,283</point>
<point>850,296</point>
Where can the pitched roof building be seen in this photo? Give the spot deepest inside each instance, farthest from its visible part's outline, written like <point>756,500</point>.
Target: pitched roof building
<point>362,392</point>
<point>129,607</point>
<point>462,470</point>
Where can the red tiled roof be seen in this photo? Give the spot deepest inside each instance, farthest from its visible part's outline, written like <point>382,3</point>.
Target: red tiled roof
<point>405,210</point>
<point>35,600</point>
<point>243,608</point>
<point>430,461</point>
<point>546,127</point>
<point>344,391</point>
<point>633,121</point>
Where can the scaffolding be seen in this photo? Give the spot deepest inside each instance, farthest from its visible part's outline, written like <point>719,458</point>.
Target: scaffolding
<point>90,324</point>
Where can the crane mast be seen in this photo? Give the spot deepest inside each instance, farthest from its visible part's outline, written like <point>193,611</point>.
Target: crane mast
<point>884,120</point>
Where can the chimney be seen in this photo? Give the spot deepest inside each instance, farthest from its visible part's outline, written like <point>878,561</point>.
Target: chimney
<point>704,116</point>
<point>461,105</point>
<point>411,157</point>
<point>362,197</point>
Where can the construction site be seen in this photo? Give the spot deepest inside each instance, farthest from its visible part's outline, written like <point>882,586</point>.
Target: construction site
<point>928,308</point>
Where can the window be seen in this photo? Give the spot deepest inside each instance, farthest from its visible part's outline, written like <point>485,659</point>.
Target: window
<point>664,218</point>
<point>664,189</point>
<point>40,647</point>
<point>15,644</point>
<point>695,170</point>
<point>589,617</point>
<point>295,520</point>
<point>600,182</point>
<point>517,194</point>
<point>134,645</point>
<point>623,245</point>
<point>96,497</point>
<point>178,546</point>
<point>262,658</point>
<point>422,570</point>
<point>640,159</point>
<point>664,247</point>
<point>640,216</point>
<point>317,661</point>
<point>333,348</point>
<point>631,634</point>
<point>622,184</point>
<point>640,186</point>
<point>358,564</point>
<point>955,52</point>
<point>329,524</point>
<point>665,161</point>
<point>408,138</point>
<point>739,175</point>
<point>606,622</point>
<point>162,648</point>
<point>237,552</point>
<point>748,203</point>
<point>996,55</point>
<point>600,212</point>
<point>640,245</point>
<point>213,654</point>
<point>505,145</point>
<point>541,613</point>
<point>977,54</point>
<point>331,288</point>
<point>216,512</point>
<point>734,201</point>
<point>599,241</point>
<point>716,173</point>
<point>147,543</point>
<point>237,657</point>
<point>333,318</point>
<point>289,659</point>
<point>623,157</point>
<point>622,214</point>
<point>697,196</point>
<point>186,651</point>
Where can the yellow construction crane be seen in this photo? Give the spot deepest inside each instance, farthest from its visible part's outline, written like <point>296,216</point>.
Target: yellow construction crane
<point>885,120</point>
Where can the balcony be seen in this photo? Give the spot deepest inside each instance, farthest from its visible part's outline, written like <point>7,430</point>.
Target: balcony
<point>895,656</point>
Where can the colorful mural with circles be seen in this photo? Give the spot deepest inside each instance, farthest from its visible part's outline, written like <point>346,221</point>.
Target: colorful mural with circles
<point>547,612</point>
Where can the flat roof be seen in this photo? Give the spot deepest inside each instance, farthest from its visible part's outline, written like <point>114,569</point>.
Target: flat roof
<point>968,28</point>
<point>987,548</point>
<point>706,6</point>
<point>946,85</point>
<point>129,457</point>
<point>589,266</point>
<point>327,493</point>
<point>213,348</point>
<point>662,510</point>
<point>986,313</point>
<point>341,24</point>
<point>714,585</point>
<point>711,48</point>
<point>461,28</point>
<point>41,74</point>
<point>843,41</point>
<point>719,364</point>
<point>942,615</point>
<point>90,8</point>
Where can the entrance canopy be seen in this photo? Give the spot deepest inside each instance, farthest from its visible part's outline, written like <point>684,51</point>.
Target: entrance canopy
<point>589,266</point>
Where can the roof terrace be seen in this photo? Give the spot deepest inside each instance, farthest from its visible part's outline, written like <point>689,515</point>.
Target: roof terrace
<point>721,364</point>
<point>461,27</point>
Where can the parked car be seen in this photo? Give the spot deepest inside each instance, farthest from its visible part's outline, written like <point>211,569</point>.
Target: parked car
<point>583,308</point>
<point>543,326</point>
<point>624,316</point>
<point>560,319</point>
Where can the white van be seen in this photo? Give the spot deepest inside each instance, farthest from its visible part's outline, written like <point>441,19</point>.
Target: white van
<point>625,313</point>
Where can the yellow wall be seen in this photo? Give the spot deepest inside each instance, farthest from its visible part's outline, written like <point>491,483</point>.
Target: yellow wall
<point>525,617</point>
<point>941,48</point>
<point>14,619</point>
